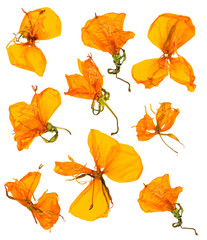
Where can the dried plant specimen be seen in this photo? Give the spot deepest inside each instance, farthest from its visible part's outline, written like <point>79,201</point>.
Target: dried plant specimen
<point>158,196</point>
<point>168,32</point>
<point>119,162</point>
<point>106,33</point>
<point>46,210</point>
<point>31,120</point>
<point>89,86</point>
<point>40,24</point>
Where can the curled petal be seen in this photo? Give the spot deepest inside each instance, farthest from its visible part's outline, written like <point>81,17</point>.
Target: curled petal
<point>145,128</point>
<point>150,72</point>
<point>70,168</point>
<point>158,196</point>
<point>182,72</point>
<point>28,57</point>
<point>166,116</point>
<point>23,190</point>
<point>47,210</point>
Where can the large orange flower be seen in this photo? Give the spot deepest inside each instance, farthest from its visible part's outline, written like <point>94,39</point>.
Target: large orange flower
<point>46,210</point>
<point>40,24</point>
<point>89,86</point>
<point>165,118</point>
<point>119,162</point>
<point>106,33</point>
<point>31,120</point>
<point>158,196</point>
<point>168,32</point>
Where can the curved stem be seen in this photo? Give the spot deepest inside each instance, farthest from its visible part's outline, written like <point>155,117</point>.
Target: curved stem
<point>64,129</point>
<point>167,144</point>
<point>190,229</point>
<point>117,123</point>
<point>129,87</point>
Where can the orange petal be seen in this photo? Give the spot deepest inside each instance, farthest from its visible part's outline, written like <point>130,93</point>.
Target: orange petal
<point>47,103</point>
<point>145,128</point>
<point>23,190</point>
<point>150,72</point>
<point>182,72</point>
<point>91,73</point>
<point>96,194</point>
<point>158,196</point>
<point>70,168</point>
<point>47,210</point>
<point>28,57</point>
<point>126,167</point>
<point>79,87</point>
<point>170,31</point>
<point>103,148</point>
<point>106,33</point>
<point>43,23</point>
<point>166,116</point>
<point>26,123</point>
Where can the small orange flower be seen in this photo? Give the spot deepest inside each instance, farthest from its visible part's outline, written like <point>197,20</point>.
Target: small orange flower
<point>31,120</point>
<point>165,118</point>
<point>89,86</point>
<point>168,32</point>
<point>46,210</point>
<point>119,162</point>
<point>40,24</point>
<point>106,33</point>
<point>158,196</point>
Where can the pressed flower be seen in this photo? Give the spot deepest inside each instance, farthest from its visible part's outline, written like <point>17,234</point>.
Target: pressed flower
<point>119,162</point>
<point>46,210</point>
<point>106,33</point>
<point>89,86</point>
<point>168,32</point>
<point>40,24</point>
<point>165,118</point>
<point>158,196</point>
<point>31,120</point>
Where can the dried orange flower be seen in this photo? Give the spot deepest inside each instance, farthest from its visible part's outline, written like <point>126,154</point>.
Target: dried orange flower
<point>119,162</point>
<point>168,32</point>
<point>31,120</point>
<point>89,86</point>
<point>165,118</point>
<point>158,196</point>
<point>46,210</point>
<point>106,33</point>
<point>40,24</point>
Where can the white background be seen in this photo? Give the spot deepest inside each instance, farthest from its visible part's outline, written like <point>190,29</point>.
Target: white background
<point>126,220</point>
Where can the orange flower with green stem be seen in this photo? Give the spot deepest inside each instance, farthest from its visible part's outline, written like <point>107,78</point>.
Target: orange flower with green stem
<point>158,196</point>
<point>89,85</point>
<point>40,24</point>
<point>106,33</point>
<point>168,32</point>
<point>165,118</point>
<point>119,162</point>
<point>31,120</point>
<point>46,210</point>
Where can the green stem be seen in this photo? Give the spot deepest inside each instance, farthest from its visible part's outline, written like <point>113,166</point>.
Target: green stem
<point>167,144</point>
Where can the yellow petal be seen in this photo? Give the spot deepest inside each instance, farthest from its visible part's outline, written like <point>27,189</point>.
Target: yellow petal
<point>94,194</point>
<point>43,23</point>
<point>126,167</point>
<point>47,103</point>
<point>170,31</point>
<point>182,72</point>
<point>103,148</point>
<point>28,57</point>
<point>150,72</point>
